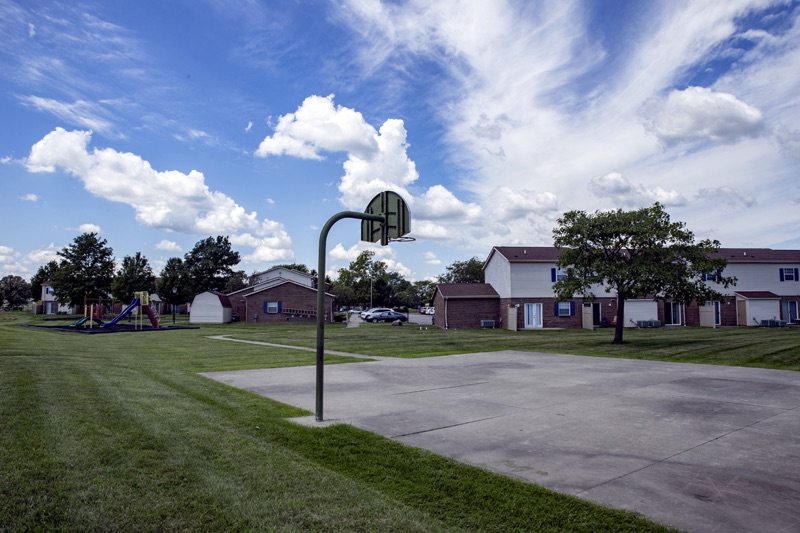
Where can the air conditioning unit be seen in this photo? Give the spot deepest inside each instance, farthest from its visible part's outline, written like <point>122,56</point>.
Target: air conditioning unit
<point>487,324</point>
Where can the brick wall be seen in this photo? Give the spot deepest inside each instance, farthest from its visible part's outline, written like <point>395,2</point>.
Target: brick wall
<point>291,297</point>
<point>466,312</point>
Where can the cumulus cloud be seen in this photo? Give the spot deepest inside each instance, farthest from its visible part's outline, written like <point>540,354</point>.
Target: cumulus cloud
<point>432,259</point>
<point>170,200</point>
<point>89,228</point>
<point>700,114</point>
<point>617,188</point>
<point>509,204</point>
<point>438,203</point>
<point>168,246</point>
<point>728,196</point>
<point>30,197</point>
<point>376,160</point>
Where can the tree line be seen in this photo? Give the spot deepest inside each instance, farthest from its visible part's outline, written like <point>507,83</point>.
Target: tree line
<point>85,271</point>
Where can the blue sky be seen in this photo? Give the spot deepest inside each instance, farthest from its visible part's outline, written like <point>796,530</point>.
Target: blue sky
<point>158,124</point>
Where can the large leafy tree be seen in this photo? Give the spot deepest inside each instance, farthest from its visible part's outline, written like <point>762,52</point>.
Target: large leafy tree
<point>363,281</point>
<point>173,285</point>
<point>134,275</point>
<point>469,271</point>
<point>210,264</point>
<point>637,254</point>
<point>86,270</point>
<point>14,291</point>
<point>45,273</point>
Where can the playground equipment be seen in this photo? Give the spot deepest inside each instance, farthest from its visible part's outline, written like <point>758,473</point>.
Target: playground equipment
<point>141,299</point>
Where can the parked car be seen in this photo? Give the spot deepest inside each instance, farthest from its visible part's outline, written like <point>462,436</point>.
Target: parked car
<point>368,312</point>
<point>427,310</point>
<point>386,316</point>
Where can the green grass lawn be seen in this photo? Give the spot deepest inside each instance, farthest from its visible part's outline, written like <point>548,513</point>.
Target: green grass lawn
<point>119,432</point>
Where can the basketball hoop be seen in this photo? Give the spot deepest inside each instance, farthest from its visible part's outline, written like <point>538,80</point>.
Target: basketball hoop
<point>396,221</point>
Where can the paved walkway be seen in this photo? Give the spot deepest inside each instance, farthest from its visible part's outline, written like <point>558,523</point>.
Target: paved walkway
<point>699,447</point>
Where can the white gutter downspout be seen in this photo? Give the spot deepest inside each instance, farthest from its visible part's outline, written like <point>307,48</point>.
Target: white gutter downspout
<point>445,313</point>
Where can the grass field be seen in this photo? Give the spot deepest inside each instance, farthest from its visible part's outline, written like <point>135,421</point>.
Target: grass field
<point>119,432</point>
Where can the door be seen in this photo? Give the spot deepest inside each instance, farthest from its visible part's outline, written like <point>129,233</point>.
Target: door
<point>533,316</point>
<point>596,318</point>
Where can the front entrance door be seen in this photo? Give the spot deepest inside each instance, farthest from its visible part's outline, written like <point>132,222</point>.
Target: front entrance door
<point>533,316</point>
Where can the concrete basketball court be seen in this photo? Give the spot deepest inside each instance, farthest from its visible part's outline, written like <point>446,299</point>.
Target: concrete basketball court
<point>697,447</point>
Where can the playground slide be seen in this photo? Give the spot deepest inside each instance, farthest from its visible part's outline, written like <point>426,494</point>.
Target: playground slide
<point>79,323</point>
<point>125,312</point>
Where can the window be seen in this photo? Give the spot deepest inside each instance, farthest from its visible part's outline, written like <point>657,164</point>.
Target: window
<point>272,307</point>
<point>564,308</point>
<point>712,276</point>
<point>789,274</point>
<point>672,314</point>
<point>557,274</point>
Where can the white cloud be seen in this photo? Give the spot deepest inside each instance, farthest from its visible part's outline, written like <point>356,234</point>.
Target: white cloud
<point>788,140</point>
<point>432,259</point>
<point>616,187</point>
<point>249,126</point>
<point>728,196</point>
<point>30,197</point>
<point>168,199</point>
<point>42,256</point>
<point>438,203</point>
<point>377,160</point>
<point>700,114</point>
<point>81,113</point>
<point>168,246</point>
<point>89,228</point>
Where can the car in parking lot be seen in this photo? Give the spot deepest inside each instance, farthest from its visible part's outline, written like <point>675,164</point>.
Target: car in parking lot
<point>386,316</point>
<point>372,310</point>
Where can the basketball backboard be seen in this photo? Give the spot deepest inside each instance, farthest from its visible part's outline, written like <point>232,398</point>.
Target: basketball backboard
<point>397,220</point>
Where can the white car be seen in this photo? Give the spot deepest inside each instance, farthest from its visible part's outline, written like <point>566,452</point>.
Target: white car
<point>365,314</point>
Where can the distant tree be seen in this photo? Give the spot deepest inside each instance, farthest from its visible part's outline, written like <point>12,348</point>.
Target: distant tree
<point>86,270</point>
<point>210,264</point>
<point>295,266</point>
<point>637,254</point>
<point>173,284</point>
<point>45,273</point>
<point>365,281</point>
<point>134,275</point>
<point>14,291</point>
<point>238,280</point>
<point>423,292</point>
<point>469,271</point>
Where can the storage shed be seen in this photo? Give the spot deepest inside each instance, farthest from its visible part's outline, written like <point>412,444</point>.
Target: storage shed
<point>466,305</point>
<point>210,307</point>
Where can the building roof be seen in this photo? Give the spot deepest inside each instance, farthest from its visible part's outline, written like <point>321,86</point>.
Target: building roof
<point>758,295</point>
<point>758,255</point>
<point>466,290</point>
<point>550,254</point>
<point>275,282</point>
<point>527,254</point>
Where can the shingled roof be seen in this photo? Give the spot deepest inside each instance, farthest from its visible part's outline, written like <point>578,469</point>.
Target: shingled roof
<point>550,254</point>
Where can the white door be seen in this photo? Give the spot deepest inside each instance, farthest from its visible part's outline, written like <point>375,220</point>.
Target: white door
<point>533,316</point>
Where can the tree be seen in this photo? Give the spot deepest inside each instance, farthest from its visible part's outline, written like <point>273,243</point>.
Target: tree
<point>295,266</point>
<point>364,281</point>
<point>86,270</point>
<point>210,264</point>
<point>134,275</point>
<point>469,271</point>
<point>238,280</point>
<point>637,254</point>
<point>14,291</point>
<point>173,285</point>
<point>45,273</point>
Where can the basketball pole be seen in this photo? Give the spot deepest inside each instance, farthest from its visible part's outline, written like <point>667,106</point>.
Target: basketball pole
<point>323,238</point>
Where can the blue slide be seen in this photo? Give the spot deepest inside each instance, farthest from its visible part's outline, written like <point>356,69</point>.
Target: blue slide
<point>125,312</point>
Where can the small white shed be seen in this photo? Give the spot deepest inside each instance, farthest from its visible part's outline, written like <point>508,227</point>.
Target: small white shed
<point>210,307</point>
